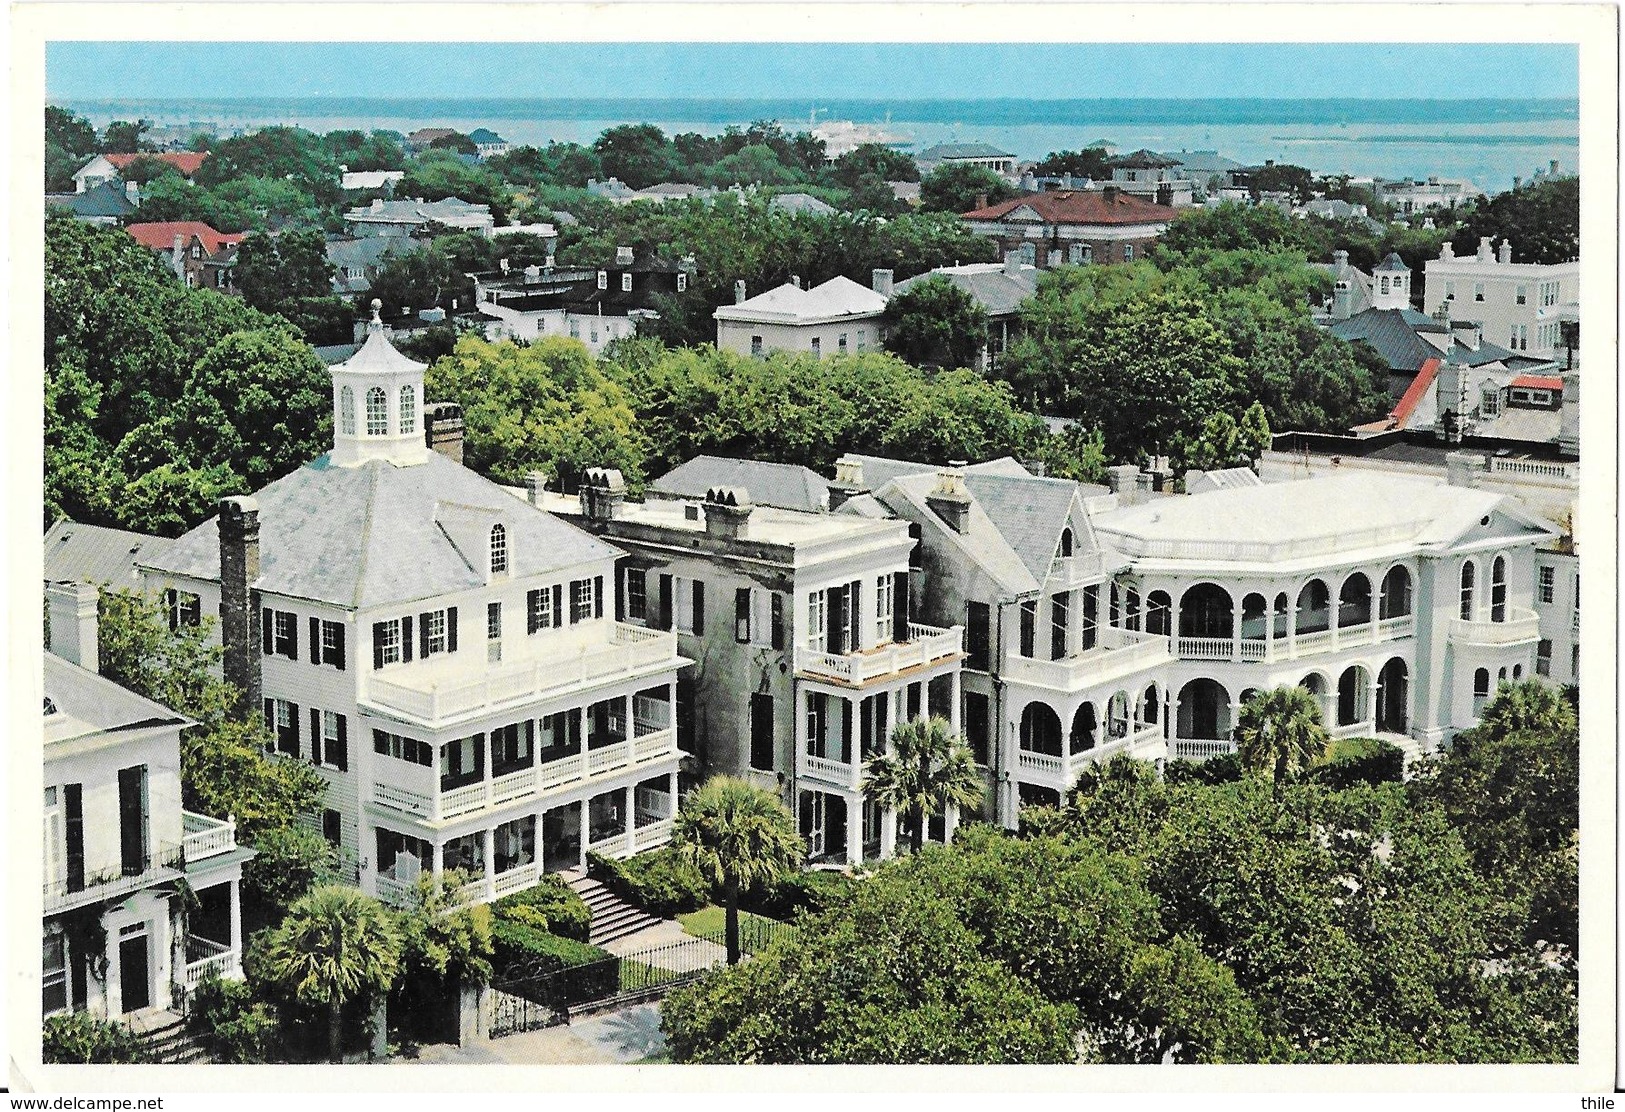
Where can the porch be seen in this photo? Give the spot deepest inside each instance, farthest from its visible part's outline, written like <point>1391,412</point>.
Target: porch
<point>926,646</point>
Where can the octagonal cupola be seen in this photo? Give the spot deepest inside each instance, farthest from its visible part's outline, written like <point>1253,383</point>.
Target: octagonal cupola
<point>378,404</point>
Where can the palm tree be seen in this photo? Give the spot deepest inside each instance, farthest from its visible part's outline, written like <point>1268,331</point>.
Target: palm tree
<point>928,768</point>
<point>1526,706</point>
<point>1280,733</point>
<point>336,945</point>
<point>736,835</point>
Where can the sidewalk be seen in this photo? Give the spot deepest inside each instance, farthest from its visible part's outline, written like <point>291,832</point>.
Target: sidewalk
<point>629,1035</point>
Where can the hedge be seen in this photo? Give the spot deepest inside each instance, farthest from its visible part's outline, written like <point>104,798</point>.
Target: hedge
<point>562,970</point>
<point>551,906</point>
<point>1358,760</point>
<point>810,891</point>
<point>79,1037</point>
<point>661,882</point>
<point>1226,768</point>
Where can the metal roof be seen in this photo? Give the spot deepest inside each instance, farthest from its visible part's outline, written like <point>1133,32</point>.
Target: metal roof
<point>78,553</point>
<point>786,486</point>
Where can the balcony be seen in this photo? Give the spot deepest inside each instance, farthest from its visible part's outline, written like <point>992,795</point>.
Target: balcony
<point>205,837</point>
<point>1061,773</point>
<point>926,645</point>
<point>841,774</point>
<point>1119,652</point>
<point>450,692</point>
<point>164,864</point>
<point>204,957</point>
<point>1077,570</point>
<point>411,789</point>
<point>1521,627</point>
<point>1298,645</point>
<point>1199,749</point>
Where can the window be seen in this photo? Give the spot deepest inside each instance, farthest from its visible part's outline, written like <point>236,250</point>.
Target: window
<point>432,632</point>
<point>688,611</point>
<point>1498,590</point>
<point>386,642</point>
<point>1091,617</point>
<point>377,412</point>
<point>511,747</point>
<point>183,608</point>
<point>594,337</point>
<point>493,632</point>
<point>1481,690</point>
<point>327,643</point>
<point>279,633</point>
<point>54,974</point>
<point>817,621</point>
<point>283,719</point>
<point>637,594</point>
<point>1548,294</point>
<point>462,761</point>
<point>742,608</point>
<point>603,279</point>
<point>840,344</point>
<point>1059,604</point>
<point>332,826</point>
<point>626,283</point>
<point>816,345</point>
<point>586,599</point>
<point>499,549</point>
<point>682,282</point>
<point>775,620</point>
<point>544,608</point>
<point>978,634</point>
<point>1548,583</point>
<point>1469,573</point>
<point>409,410</point>
<point>347,411</point>
<point>761,732</point>
<point>1489,401</point>
<point>756,345</point>
<point>575,330</point>
<point>977,722</point>
<point>1522,295</point>
<point>402,748</point>
<point>863,339</point>
<point>885,609</point>
<point>1029,628</point>
<point>329,743</point>
<point>1478,291</point>
<point>561,735</point>
<point>1384,288</point>
<point>1450,291</point>
<point>1128,252</point>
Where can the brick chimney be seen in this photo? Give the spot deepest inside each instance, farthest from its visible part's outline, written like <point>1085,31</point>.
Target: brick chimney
<point>950,500</point>
<point>73,623</point>
<point>603,489</point>
<point>239,598</point>
<point>443,429</point>
<point>727,513</point>
<point>981,201</point>
<point>848,483</point>
<point>881,281</point>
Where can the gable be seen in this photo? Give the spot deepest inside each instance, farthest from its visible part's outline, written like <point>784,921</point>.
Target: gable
<point>1025,214</point>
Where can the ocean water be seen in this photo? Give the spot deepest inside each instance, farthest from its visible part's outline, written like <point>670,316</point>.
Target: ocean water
<point>1486,142</point>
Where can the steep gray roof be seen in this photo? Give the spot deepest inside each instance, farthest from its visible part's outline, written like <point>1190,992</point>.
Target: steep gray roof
<point>785,486</point>
<point>91,707</point>
<point>800,202</point>
<point>997,291</point>
<point>1391,262</point>
<point>1394,333</point>
<point>76,553</point>
<point>1028,512</point>
<point>378,534</point>
<point>107,200</point>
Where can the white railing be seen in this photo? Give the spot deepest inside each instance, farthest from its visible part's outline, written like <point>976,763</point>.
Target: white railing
<point>1080,568</point>
<point>403,799</point>
<point>1368,728</point>
<point>657,833</point>
<point>1199,749</point>
<point>925,645</point>
<point>608,757</point>
<point>163,864</point>
<point>1390,628</point>
<point>1306,644</point>
<point>1297,645</point>
<point>662,743</point>
<point>206,837</point>
<point>1118,653</point>
<point>1342,540</point>
<point>1041,762</point>
<point>629,650</point>
<point>1520,626</point>
<point>562,771</point>
<point>397,893</point>
<point>1541,468</point>
<point>838,772</point>
<point>516,880</point>
<point>1206,648</point>
<point>204,956</point>
<point>609,846</point>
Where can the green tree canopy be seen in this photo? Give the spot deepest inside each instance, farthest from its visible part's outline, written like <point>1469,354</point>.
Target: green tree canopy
<point>936,324</point>
<point>638,154</point>
<point>1541,219</point>
<point>124,137</point>
<point>872,160</point>
<point>1280,733</point>
<point>1090,162</point>
<point>957,187</point>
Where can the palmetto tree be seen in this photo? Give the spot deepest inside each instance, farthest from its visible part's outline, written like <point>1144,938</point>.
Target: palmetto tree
<point>736,835</point>
<point>1526,706</point>
<point>928,768</point>
<point>336,945</point>
<point>1280,733</point>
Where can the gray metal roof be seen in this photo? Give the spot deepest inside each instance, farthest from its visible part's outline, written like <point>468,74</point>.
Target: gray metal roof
<point>377,534</point>
<point>800,202</point>
<point>997,291</point>
<point>783,485</point>
<point>107,199</point>
<point>961,150</point>
<point>1391,262</point>
<point>77,553</point>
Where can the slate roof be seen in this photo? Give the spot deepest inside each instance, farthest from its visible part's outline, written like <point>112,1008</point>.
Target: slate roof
<point>376,534</point>
<point>800,202</point>
<point>94,709</point>
<point>1029,513</point>
<point>943,151</point>
<point>998,292</point>
<point>418,212</point>
<point>782,485</point>
<point>1143,159</point>
<point>78,553</point>
<point>1079,207</point>
<point>1394,335</point>
<point>106,200</point>
<point>1203,162</point>
<point>1390,262</point>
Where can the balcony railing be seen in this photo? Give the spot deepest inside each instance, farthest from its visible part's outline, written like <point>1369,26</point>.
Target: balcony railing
<point>163,864</point>
<point>925,645</point>
<point>1298,645</point>
<point>1063,771</point>
<point>630,651</point>
<point>843,774</point>
<point>1118,653</point>
<point>205,837</point>
<point>204,956</point>
<point>1076,570</point>
<point>525,783</point>
<point>1520,626</point>
<point>1199,749</point>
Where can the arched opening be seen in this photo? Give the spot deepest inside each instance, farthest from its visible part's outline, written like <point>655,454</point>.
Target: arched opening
<point>1157,608</point>
<point>1517,671</point>
<point>1396,593</point>
<point>1084,729</point>
<point>347,411</point>
<point>1283,616</point>
<point>1204,711</point>
<point>1498,590</point>
<point>1469,578</point>
<point>1151,706</point>
<point>1354,601</point>
<point>1481,690</point>
<point>1315,684</point>
<point>1314,608</point>
<point>1131,608</point>
<point>1205,611</point>
<point>1500,677</point>
<point>377,412</point>
<point>1119,716</point>
<point>1066,543</point>
<point>1040,730</point>
<point>499,549</point>
<point>1353,696</point>
<point>1393,698</point>
<point>409,409</point>
<point>1254,619</point>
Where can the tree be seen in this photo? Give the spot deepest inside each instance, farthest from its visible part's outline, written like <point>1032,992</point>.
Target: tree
<point>1542,219</point>
<point>1091,162</point>
<point>69,143</point>
<point>1279,178</point>
<point>957,187</point>
<point>638,154</point>
<point>1280,733</point>
<point>124,137</point>
<point>936,324</point>
<point>274,274</point>
<point>929,769</point>
<point>1526,707</point>
<point>1224,442</point>
<point>336,946</point>
<point>1075,453</point>
<point>436,175</point>
<point>737,836</point>
<point>456,142</point>
<point>288,862</point>
<point>276,153</point>
<point>872,160</point>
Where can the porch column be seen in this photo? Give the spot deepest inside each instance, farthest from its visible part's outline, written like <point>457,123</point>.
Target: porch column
<point>489,852</point>
<point>854,830</point>
<point>888,833</point>
<point>631,814</point>
<point>953,701</point>
<point>1235,716</point>
<point>586,824</point>
<point>236,912</point>
<point>627,720</point>
<point>950,823</point>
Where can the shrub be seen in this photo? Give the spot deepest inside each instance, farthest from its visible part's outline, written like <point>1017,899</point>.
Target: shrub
<point>661,882</point>
<point>231,1023</point>
<point>1226,768</point>
<point>82,1038</point>
<point>811,891</point>
<point>1358,760</point>
<point>551,969</point>
<point>551,906</point>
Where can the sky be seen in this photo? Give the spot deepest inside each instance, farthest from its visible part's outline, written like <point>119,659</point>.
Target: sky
<point>176,70</point>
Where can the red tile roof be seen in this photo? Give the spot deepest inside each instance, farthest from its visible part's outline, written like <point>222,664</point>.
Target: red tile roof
<point>1420,385</point>
<point>161,237</point>
<point>187,162</point>
<point>1072,207</point>
<point>1539,382</point>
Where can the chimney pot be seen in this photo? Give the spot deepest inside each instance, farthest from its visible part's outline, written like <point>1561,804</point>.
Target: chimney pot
<point>727,512</point>
<point>535,484</point>
<point>443,429</point>
<point>603,489</point>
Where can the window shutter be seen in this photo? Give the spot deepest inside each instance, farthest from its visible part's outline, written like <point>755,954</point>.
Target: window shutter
<point>574,583</point>
<point>598,596</point>
<point>776,620</point>
<point>265,630</point>
<point>293,637</point>
<point>406,638</point>
<point>315,735</point>
<point>620,597</point>
<point>377,644</point>
<point>699,608</point>
<point>339,755</point>
<point>742,615</point>
<point>338,648</point>
<point>899,606</point>
<point>423,636</point>
<point>315,641</point>
<point>558,605</point>
<point>169,608</point>
<point>665,602</point>
<point>451,629</point>
<point>533,610</point>
<point>846,728</point>
<point>854,611</point>
<point>270,715</point>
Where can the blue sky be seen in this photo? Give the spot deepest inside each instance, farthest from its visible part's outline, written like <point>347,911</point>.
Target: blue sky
<point>90,70</point>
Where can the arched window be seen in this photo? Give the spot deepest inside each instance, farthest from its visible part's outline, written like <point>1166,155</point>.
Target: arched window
<point>1254,622</point>
<point>1469,575</point>
<point>347,411</point>
<point>1314,607</point>
<point>1066,542</point>
<point>1149,706</point>
<point>1354,601</point>
<point>1040,730</point>
<point>499,549</point>
<point>1481,689</point>
<point>1157,607</point>
<point>1283,616</point>
<point>1131,608</point>
<point>1396,593</point>
<point>1517,671</point>
<point>377,412</point>
<point>1205,611</point>
<point>1353,696</point>
<point>409,410</point>
<point>1498,590</point>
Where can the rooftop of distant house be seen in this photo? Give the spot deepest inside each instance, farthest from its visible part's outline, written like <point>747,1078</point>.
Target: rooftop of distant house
<point>791,304</point>
<point>781,485</point>
<point>80,553</point>
<point>161,236</point>
<point>186,162</point>
<point>943,152</point>
<point>1143,159</point>
<point>1107,206</point>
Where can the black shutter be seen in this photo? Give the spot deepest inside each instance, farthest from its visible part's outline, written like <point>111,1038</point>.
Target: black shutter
<point>315,736</point>
<point>835,620</point>
<point>265,630</point>
<point>742,615</point>
<point>337,659</point>
<point>451,629</point>
<point>293,729</point>
<point>406,638</point>
<point>169,608</point>
<point>699,608</point>
<point>533,610</point>
<point>574,583</point>
<point>293,637</point>
<point>620,596</point>
<point>558,605</point>
<point>899,606</point>
<point>339,754</point>
<point>854,614</point>
<point>776,620</point>
<point>664,614</point>
<point>315,641</point>
<point>377,644</point>
<point>270,716</point>
<point>423,636</point>
<point>846,729</point>
<point>598,596</point>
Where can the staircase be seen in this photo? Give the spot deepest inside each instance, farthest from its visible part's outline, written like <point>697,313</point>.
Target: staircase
<point>167,1040</point>
<point>612,917</point>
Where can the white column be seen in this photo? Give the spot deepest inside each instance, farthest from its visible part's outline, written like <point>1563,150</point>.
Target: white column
<point>490,862</point>
<point>671,787</point>
<point>954,701</point>
<point>888,833</point>
<point>950,823</point>
<point>586,828</point>
<point>236,910</point>
<point>854,830</point>
<point>631,835</point>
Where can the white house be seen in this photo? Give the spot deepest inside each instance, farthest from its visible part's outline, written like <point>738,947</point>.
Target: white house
<point>119,850</point>
<point>414,217</point>
<point>834,318</point>
<point>1520,305</point>
<point>444,655</point>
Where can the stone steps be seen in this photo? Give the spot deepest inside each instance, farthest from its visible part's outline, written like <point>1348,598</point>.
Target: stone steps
<point>612,917</point>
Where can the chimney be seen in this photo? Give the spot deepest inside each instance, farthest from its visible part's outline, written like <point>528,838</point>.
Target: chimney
<point>1503,254</point>
<point>950,500</point>
<point>1123,479</point>
<point>1109,194</point>
<point>73,623</point>
<point>240,633</point>
<point>1568,439</point>
<point>882,281</point>
<point>848,482</point>
<point>1451,395</point>
<point>1552,165</point>
<point>981,201</point>
<point>623,256</point>
<point>535,484</point>
<point>1459,468</point>
<point>1447,250</point>
<point>1340,260</point>
<point>1484,254</point>
<point>795,280</point>
<point>603,489</point>
<point>739,291</point>
<point>1165,195</point>
<point>727,513</point>
<point>1342,301</point>
<point>443,429</point>
<point>1012,263</point>
<point>377,204</point>
<point>548,263</point>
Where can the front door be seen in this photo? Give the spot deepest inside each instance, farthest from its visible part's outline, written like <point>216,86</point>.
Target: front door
<point>135,986</point>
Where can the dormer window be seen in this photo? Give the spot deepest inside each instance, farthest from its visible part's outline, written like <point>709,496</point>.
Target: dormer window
<point>1066,543</point>
<point>377,412</point>
<point>409,409</point>
<point>626,283</point>
<point>603,279</point>
<point>499,550</point>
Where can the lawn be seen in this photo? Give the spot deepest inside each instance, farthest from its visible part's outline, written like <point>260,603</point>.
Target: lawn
<point>755,931</point>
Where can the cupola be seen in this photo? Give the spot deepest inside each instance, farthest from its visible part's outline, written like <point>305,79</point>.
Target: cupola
<point>378,404</point>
